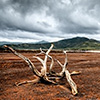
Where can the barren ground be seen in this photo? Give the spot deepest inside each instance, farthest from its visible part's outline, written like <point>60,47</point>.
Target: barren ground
<point>13,69</point>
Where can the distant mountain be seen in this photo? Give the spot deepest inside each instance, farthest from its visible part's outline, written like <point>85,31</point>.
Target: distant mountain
<point>70,43</point>
<point>77,43</point>
<point>4,42</point>
<point>42,42</point>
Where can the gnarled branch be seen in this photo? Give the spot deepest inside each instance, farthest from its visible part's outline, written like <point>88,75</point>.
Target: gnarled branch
<point>31,65</point>
<point>48,77</point>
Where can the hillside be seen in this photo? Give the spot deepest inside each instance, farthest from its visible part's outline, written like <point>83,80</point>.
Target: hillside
<point>77,43</point>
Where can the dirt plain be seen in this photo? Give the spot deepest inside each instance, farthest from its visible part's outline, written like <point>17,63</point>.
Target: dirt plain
<point>13,69</point>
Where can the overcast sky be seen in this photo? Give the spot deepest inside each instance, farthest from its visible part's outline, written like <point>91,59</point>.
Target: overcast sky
<point>50,20</point>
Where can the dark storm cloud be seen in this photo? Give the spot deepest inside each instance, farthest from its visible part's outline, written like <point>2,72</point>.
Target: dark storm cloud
<point>22,15</point>
<point>50,18</point>
<point>78,16</point>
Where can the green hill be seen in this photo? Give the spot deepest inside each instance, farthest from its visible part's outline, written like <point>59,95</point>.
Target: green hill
<point>77,43</point>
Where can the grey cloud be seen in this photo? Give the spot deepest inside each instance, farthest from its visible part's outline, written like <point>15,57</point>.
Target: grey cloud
<point>49,17</point>
<point>13,15</point>
<point>82,22</point>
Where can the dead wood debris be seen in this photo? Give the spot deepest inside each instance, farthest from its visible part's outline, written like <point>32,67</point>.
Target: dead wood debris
<point>50,77</point>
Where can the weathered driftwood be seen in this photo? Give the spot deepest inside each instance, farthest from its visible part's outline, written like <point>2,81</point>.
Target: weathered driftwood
<point>44,76</point>
<point>25,82</point>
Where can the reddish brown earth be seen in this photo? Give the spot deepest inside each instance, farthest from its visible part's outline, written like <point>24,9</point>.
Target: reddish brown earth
<point>13,69</point>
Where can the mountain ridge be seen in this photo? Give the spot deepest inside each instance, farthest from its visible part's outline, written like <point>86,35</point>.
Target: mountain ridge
<point>76,43</point>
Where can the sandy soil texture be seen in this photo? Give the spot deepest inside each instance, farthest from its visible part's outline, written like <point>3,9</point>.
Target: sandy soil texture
<point>13,69</point>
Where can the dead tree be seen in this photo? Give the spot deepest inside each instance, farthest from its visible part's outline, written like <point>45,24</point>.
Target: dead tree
<point>43,75</point>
